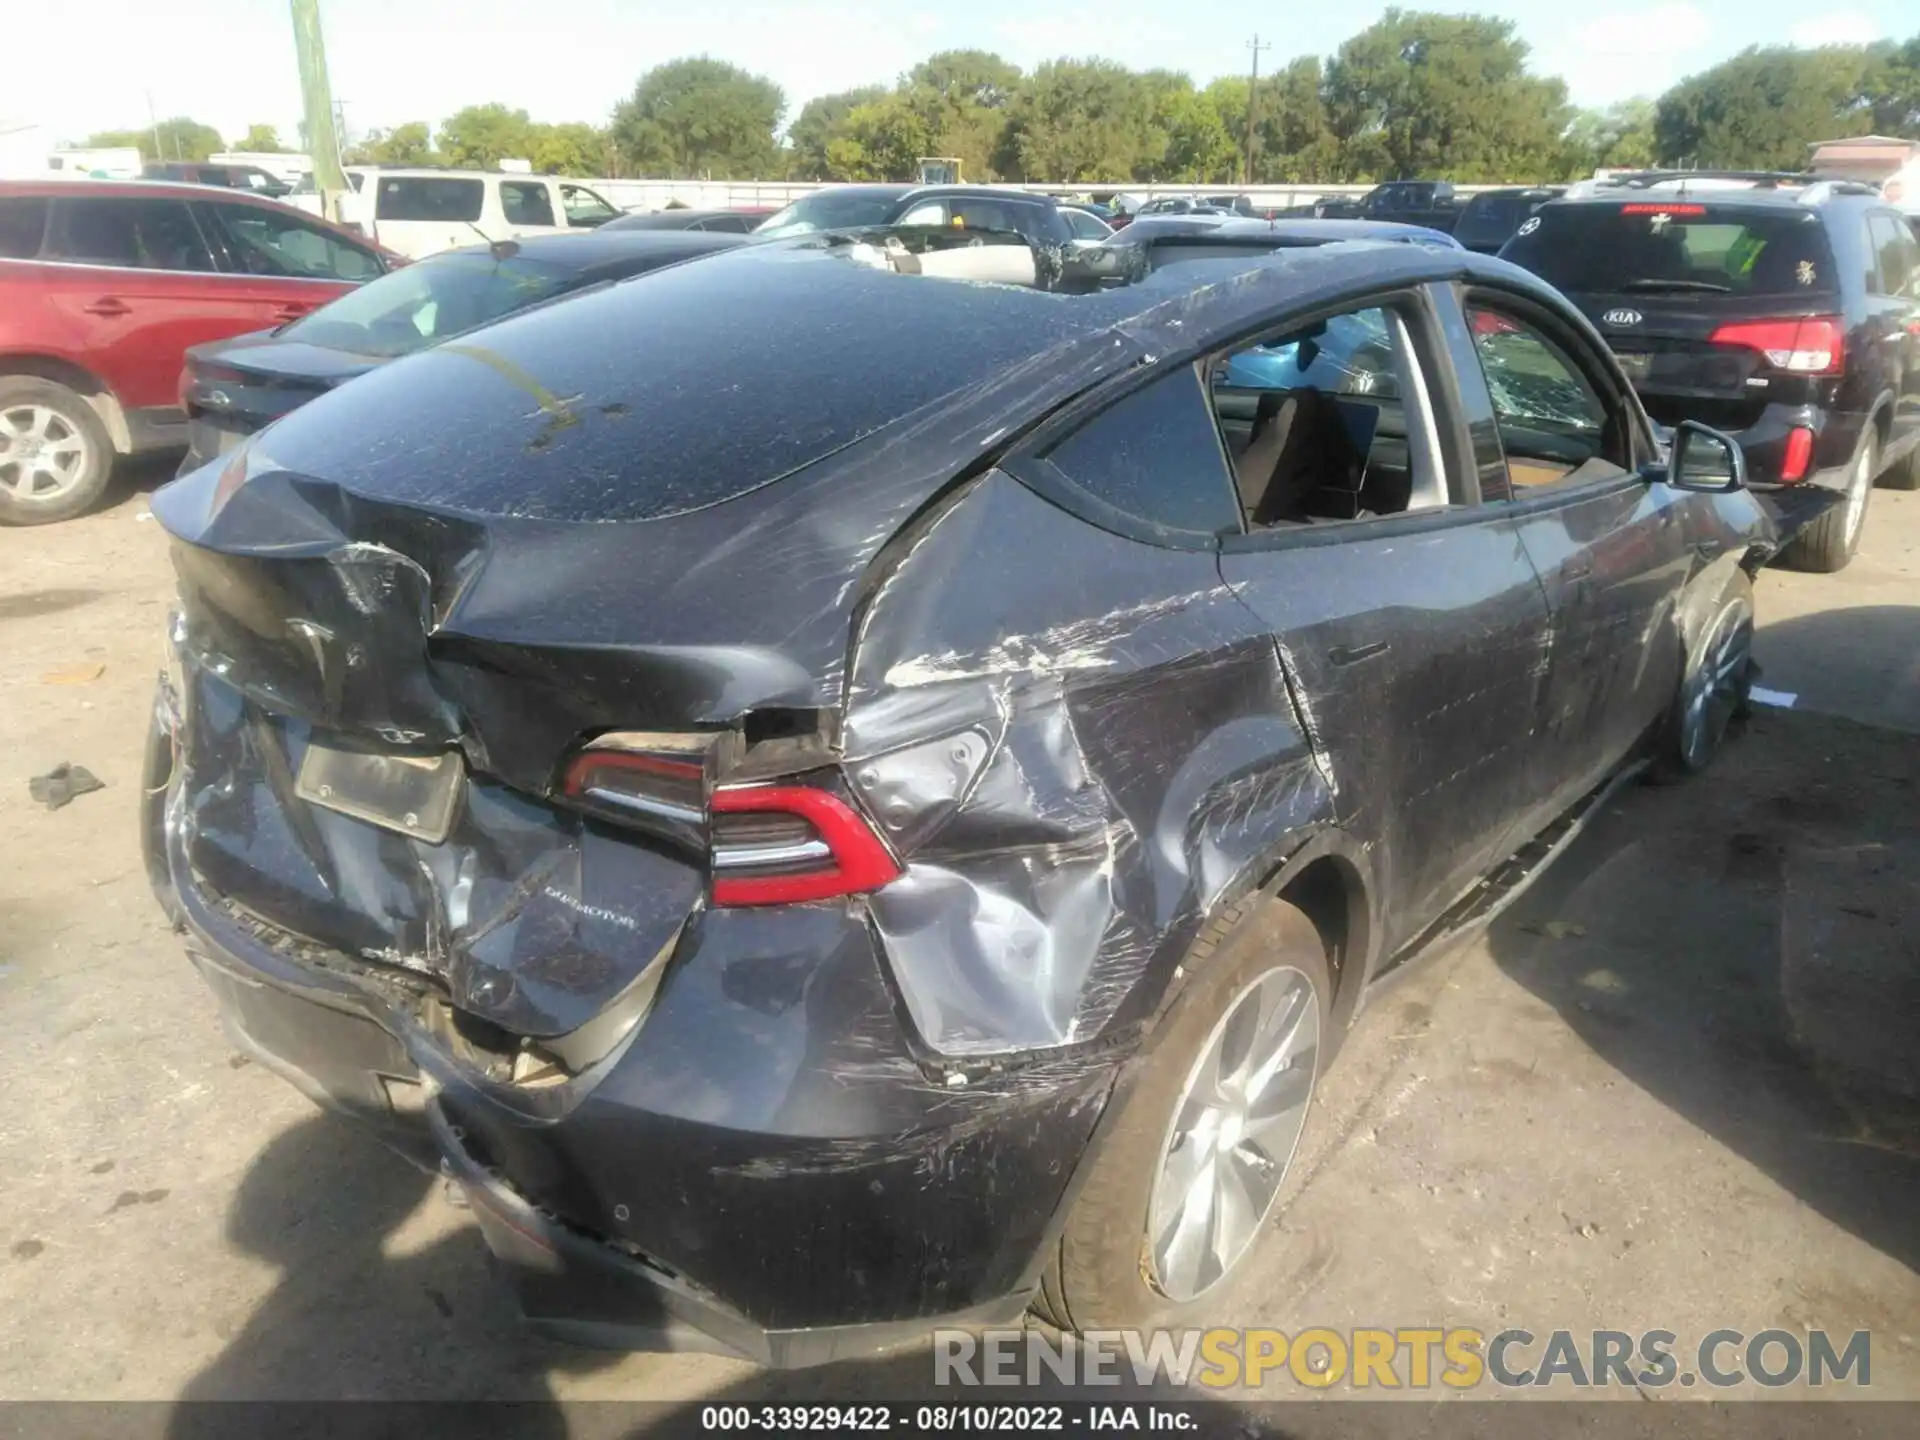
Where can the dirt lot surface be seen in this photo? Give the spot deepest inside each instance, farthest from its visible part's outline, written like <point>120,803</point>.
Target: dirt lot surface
<point>1676,1088</point>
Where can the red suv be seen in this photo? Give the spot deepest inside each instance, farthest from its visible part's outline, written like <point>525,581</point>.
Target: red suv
<point>103,286</point>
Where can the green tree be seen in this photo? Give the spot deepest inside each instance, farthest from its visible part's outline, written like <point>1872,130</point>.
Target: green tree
<point>1893,89</point>
<point>261,140</point>
<point>879,141</point>
<point>1198,147</point>
<point>574,148</point>
<point>177,139</point>
<point>408,144</point>
<point>1427,94</point>
<point>962,98</point>
<point>1081,120</point>
<point>1617,138</point>
<point>821,120</point>
<point>700,116</point>
<point>1764,107</point>
<point>481,136</point>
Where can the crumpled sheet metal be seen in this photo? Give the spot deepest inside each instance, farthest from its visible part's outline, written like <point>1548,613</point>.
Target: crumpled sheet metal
<point>535,919</point>
<point>1069,863</point>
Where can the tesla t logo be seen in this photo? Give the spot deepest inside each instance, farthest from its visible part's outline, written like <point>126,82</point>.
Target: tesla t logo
<point>1622,317</point>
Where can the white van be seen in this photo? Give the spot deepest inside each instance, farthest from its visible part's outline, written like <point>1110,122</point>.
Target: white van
<point>421,212</point>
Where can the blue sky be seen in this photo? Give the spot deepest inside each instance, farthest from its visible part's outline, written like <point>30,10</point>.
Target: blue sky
<point>230,62</point>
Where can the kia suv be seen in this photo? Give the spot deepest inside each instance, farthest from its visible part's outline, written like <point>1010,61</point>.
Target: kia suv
<point>103,286</point>
<point>1783,311</point>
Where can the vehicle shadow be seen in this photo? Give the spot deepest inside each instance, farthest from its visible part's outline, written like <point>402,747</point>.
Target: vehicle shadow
<point>356,1314</point>
<point>1735,946</point>
<point>1863,662</point>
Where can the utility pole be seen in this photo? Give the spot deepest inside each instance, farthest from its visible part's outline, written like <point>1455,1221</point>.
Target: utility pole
<point>1253,100</point>
<point>153,126</point>
<point>323,140</point>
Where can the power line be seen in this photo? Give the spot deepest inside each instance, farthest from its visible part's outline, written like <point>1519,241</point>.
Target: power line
<point>1253,99</point>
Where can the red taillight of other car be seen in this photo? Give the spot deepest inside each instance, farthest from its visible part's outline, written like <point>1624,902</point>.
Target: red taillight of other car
<point>766,844</point>
<point>1793,468</point>
<point>1809,345</point>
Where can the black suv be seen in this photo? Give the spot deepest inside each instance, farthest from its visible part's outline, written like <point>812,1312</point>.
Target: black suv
<point>250,178</point>
<point>1779,309</point>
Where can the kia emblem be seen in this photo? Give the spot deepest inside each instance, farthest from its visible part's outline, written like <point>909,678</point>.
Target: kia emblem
<point>1622,317</point>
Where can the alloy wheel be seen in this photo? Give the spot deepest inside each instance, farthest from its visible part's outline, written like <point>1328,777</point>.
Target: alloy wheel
<point>1859,487</point>
<point>1233,1133</point>
<point>43,454</point>
<point>1714,685</point>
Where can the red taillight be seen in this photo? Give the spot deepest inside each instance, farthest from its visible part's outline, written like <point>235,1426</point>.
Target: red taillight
<point>1486,322</point>
<point>1644,208</point>
<point>771,844</point>
<point>1810,345</point>
<point>1799,453</point>
<point>810,845</point>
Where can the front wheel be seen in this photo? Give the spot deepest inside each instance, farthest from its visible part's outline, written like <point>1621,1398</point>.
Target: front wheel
<point>1714,689</point>
<point>1182,1189</point>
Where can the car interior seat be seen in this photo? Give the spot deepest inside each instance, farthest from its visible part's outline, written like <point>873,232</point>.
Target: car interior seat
<point>1301,452</point>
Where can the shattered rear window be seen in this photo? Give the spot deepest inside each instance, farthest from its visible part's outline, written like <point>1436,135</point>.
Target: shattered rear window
<point>667,393</point>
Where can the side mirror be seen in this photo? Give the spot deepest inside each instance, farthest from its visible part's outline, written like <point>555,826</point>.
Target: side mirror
<point>1702,458</point>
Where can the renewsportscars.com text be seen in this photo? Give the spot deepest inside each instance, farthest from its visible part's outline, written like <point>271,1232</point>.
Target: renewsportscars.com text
<point>1412,1358</point>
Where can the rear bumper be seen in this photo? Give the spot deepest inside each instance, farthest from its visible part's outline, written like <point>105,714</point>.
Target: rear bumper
<point>1836,437</point>
<point>809,1196</point>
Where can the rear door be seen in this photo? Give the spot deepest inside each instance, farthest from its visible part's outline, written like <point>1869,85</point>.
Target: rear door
<point>1896,323</point>
<point>1691,294</point>
<point>1612,551</point>
<point>281,264</point>
<point>134,278</point>
<point>1408,616</point>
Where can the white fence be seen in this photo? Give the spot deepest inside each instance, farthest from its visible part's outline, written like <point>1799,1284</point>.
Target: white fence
<point>725,194</point>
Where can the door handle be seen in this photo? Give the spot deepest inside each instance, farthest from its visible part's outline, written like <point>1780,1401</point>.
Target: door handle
<point>1344,655</point>
<point>107,306</point>
<point>291,311</point>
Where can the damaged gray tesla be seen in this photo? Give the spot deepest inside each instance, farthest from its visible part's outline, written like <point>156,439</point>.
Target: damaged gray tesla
<point>831,800</point>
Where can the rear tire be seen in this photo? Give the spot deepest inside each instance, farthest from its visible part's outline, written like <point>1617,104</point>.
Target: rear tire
<point>1256,971</point>
<point>55,455</point>
<point>1905,475</point>
<point>1714,688</point>
<point>1828,543</point>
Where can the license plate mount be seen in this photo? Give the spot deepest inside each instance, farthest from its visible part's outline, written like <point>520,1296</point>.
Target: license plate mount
<point>413,795</point>
<point>1635,362</point>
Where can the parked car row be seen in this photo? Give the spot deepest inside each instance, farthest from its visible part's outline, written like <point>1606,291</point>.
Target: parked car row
<point>1782,310</point>
<point>796,746</point>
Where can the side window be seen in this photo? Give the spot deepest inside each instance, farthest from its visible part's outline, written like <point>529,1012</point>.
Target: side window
<point>432,198</point>
<point>1155,454</point>
<point>584,208</point>
<point>23,221</point>
<point>1895,252</point>
<point>265,240</point>
<point>930,212</point>
<point>526,202</point>
<point>1553,425</point>
<point>131,233</point>
<point>1318,422</point>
